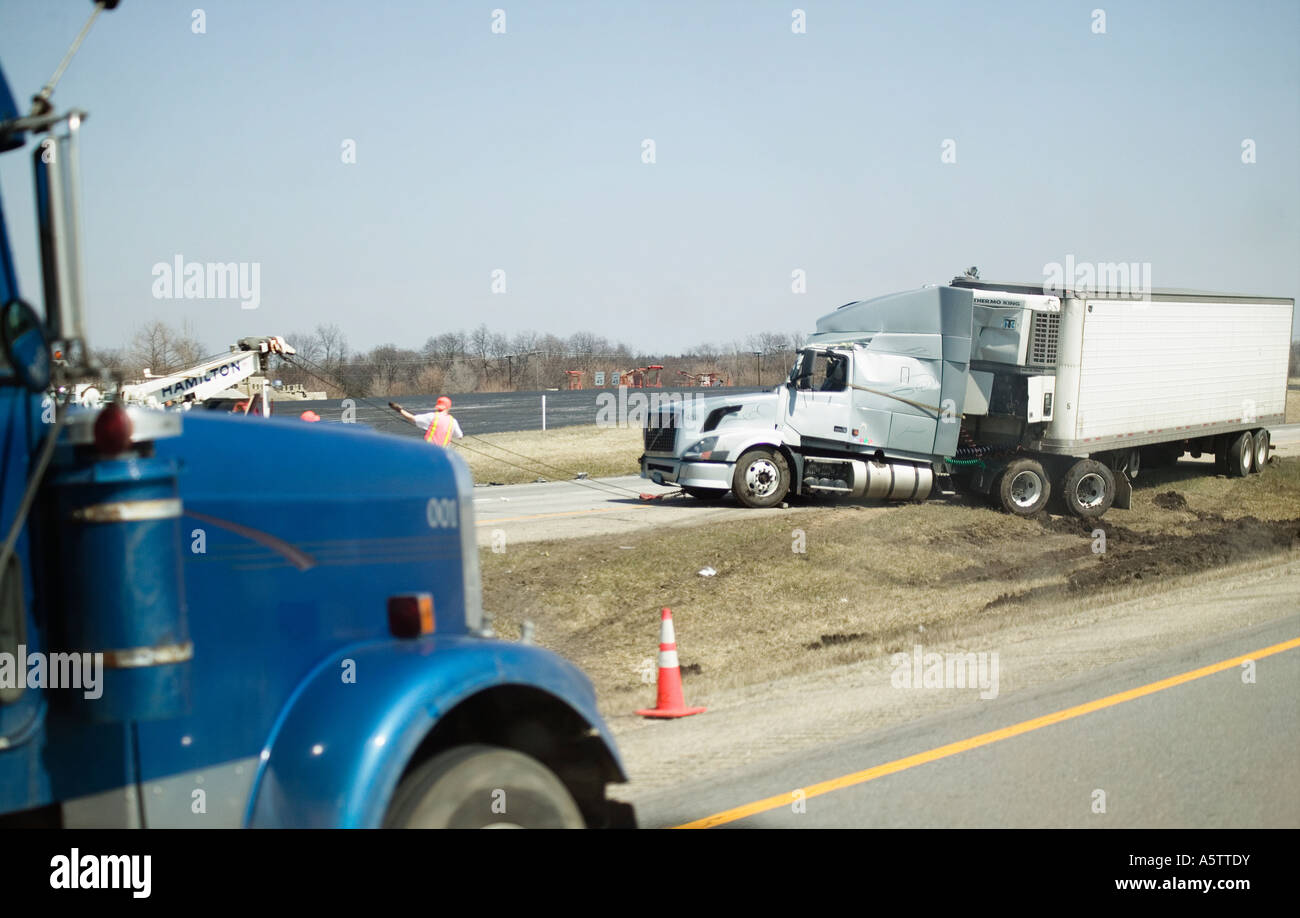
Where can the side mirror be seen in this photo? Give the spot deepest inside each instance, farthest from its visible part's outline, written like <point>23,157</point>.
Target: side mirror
<point>26,345</point>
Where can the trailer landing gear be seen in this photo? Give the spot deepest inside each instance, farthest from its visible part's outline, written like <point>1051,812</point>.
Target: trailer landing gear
<point>1127,463</point>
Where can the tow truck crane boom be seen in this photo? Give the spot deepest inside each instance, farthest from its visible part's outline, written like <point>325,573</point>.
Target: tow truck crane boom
<point>208,378</point>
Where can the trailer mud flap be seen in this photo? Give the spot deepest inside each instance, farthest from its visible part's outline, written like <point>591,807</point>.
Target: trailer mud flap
<point>1123,492</point>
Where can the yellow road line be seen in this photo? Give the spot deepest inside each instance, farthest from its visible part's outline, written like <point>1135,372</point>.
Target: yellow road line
<point>984,739</point>
<point>543,516</point>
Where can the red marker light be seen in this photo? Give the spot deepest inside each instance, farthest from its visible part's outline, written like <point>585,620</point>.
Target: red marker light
<point>113,431</point>
<point>410,615</point>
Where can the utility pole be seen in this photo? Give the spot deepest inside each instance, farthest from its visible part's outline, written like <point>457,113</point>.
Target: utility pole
<point>759,355</point>
<point>523,365</point>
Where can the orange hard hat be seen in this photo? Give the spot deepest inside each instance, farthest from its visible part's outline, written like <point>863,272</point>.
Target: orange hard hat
<point>443,404</point>
<point>310,416</point>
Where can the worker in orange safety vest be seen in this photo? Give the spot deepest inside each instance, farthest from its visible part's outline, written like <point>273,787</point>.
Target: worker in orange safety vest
<point>439,426</point>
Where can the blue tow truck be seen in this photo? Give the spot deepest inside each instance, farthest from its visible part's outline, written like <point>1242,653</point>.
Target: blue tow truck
<point>301,644</point>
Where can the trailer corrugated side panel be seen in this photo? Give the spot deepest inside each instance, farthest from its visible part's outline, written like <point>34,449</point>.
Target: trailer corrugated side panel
<point>1164,370</point>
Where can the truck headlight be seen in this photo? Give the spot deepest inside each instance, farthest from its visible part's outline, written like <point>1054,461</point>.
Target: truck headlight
<point>704,449</point>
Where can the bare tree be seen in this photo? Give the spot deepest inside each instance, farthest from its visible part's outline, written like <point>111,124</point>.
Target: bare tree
<point>354,377</point>
<point>706,353</point>
<point>524,342</point>
<point>333,346</point>
<point>162,349</point>
<point>149,348</point>
<point>113,360</point>
<point>445,348</point>
<point>308,346</point>
<point>582,347</point>
<point>480,344</point>
<point>461,378</point>
<point>186,345</point>
<point>391,368</point>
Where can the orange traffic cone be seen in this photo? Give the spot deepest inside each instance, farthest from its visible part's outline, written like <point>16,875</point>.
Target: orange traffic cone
<point>671,703</point>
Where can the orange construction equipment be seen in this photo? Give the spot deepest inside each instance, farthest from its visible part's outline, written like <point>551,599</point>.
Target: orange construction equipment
<point>642,378</point>
<point>703,380</point>
<point>575,378</point>
<point>671,702</point>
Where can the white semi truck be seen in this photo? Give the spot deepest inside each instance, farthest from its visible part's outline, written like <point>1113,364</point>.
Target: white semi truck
<point>998,389</point>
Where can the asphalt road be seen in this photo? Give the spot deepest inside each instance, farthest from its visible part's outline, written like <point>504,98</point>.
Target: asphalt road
<point>604,506</point>
<point>482,412</point>
<point>1212,751</point>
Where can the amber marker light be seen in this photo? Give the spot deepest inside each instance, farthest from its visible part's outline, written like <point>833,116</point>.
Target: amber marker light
<point>410,615</point>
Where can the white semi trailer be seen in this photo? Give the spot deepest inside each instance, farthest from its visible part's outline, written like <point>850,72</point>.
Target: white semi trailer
<point>999,389</point>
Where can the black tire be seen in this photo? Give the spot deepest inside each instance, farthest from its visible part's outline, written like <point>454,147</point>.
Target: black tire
<point>1262,443</point>
<point>762,478</point>
<point>1088,489</point>
<point>1023,488</point>
<point>478,787</point>
<point>1240,456</point>
<point>708,494</point>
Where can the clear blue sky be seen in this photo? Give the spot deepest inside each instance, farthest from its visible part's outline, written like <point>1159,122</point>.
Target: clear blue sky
<point>775,151</point>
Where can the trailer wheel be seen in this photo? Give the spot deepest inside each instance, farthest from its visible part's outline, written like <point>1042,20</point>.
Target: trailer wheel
<point>705,493</point>
<point>762,478</point>
<point>1023,488</point>
<point>1240,455</point>
<point>482,787</point>
<point>1089,489</point>
<point>1261,450</point>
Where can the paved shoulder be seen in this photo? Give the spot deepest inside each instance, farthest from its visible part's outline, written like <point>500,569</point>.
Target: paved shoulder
<point>591,506</point>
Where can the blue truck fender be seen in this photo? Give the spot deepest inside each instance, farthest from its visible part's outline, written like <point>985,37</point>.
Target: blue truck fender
<point>349,731</point>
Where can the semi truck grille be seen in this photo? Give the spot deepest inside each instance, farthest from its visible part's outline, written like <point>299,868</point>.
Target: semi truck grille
<point>660,432</point>
<point>1044,331</point>
<point>659,439</point>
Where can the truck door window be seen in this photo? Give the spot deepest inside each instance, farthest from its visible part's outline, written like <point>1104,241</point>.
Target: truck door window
<point>836,373</point>
<point>822,372</point>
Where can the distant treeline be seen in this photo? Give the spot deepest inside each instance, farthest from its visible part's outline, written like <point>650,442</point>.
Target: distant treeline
<point>478,360</point>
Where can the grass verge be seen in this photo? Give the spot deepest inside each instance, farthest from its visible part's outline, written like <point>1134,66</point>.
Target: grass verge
<point>601,452</point>
<point>868,579</point>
